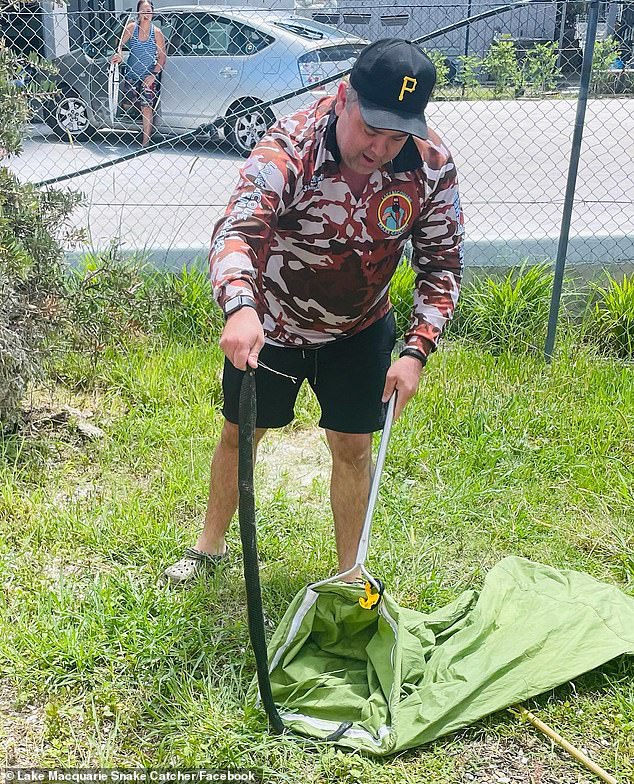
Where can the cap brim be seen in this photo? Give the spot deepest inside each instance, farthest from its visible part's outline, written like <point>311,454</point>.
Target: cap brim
<point>389,120</point>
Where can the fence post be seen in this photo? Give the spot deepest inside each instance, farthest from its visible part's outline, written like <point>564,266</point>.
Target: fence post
<point>575,153</point>
<point>562,32</point>
<point>467,30</point>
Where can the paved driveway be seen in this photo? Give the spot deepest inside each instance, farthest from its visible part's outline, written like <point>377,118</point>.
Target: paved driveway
<point>512,157</point>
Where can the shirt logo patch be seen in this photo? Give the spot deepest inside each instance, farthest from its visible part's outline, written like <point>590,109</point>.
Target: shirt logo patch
<point>394,213</point>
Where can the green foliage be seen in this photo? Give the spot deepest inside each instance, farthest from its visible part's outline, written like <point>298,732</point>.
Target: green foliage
<point>468,77</point>
<point>188,310</point>
<point>442,69</point>
<point>493,456</point>
<point>31,282</point>
<point>32,226</point>
<point>111,300</point>
<point>539,70</point>
<point>605,52</point>
<point>612,316</point>
<point>402,296</point>
<point>507,313</point>
<point>23,82</point>
<point>502,66</point>
<point>105,305</point>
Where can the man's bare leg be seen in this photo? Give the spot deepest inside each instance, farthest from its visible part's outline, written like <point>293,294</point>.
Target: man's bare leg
<point>349,491</point>
<point>223,490</point>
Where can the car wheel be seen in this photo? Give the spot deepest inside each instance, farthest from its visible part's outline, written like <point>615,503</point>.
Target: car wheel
<point>67,116</point>
<point>245,131</point>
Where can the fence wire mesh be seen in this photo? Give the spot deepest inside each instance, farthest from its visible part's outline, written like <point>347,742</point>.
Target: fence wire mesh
<point>505,104</point>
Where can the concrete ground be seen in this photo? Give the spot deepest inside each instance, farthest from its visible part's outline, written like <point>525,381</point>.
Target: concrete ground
<point>512,157</point>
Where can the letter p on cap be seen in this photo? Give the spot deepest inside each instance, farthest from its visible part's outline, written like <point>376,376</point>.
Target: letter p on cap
<point>408,86</point>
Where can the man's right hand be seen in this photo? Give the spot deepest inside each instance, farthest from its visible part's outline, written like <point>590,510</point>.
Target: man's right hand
<point>242,338</point>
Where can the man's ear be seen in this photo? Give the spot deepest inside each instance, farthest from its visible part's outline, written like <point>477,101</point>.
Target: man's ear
<point>340,102</point>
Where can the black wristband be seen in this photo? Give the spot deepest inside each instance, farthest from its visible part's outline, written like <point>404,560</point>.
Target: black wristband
<point>414,352</point>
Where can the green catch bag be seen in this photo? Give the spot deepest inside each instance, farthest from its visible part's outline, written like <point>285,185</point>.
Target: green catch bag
<point>349,665</point>
<point>383,679</point>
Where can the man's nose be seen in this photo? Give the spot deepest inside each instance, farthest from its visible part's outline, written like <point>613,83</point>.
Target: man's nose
<point>378,147</point>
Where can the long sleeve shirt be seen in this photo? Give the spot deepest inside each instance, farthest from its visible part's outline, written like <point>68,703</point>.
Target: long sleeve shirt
<point>316,259</point>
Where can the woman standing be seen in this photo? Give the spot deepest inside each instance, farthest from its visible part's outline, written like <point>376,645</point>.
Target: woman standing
<point>146,60</point>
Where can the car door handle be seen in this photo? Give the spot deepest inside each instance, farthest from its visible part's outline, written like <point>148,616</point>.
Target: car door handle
<point>228,72</point>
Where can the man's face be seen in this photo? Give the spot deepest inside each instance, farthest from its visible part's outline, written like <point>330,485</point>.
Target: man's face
<point>363,149</point>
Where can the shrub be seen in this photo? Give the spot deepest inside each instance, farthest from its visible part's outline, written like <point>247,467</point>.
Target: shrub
<point>442,68</point>
<point>605,53</point>
<point>110,300</point>
<point>468,76</point>
<point>539,69</point>
<point>188,310</point>
<point>33,225</point>
<point>611,318</point>
<point>501,65</point>
<point>402,296</point>
<point>509,312</point>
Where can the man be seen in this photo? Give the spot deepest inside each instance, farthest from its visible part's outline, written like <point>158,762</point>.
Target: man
<point>393,217</point>
<point>301,264</point>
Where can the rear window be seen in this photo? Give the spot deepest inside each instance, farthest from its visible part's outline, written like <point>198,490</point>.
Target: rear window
<point>336,54</point>
<point>298,29</point>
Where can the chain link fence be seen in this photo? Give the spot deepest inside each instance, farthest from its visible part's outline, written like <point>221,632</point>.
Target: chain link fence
<point>505,103</point>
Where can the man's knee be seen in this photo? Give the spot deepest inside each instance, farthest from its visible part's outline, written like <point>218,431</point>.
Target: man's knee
<point>230,435</point>
<point>353,449</point>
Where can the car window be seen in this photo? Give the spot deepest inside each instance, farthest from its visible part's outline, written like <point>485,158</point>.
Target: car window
<point>302,30</point>
<point>246,40</point>
<point>165,22</point>
<point>202,35</point>
<point>108,42</point>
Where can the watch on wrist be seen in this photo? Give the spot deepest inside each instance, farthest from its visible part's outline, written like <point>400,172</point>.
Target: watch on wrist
<point>235,303</point>
<point>414,352</point>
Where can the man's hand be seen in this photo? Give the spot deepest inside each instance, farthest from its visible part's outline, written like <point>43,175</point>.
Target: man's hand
<point>403,376</point>
<point>242,338</point>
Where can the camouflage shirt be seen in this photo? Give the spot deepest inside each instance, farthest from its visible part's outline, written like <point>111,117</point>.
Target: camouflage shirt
<point>317,260</point>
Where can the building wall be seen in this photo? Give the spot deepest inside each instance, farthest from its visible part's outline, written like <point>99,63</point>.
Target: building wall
<point>412,20</point>
<point>85,18</point>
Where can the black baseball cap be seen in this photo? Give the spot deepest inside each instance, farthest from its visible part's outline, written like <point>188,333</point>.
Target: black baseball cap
<point>394,80</point>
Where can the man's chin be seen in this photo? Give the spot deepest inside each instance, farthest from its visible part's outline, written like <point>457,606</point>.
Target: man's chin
<point>363,167</point>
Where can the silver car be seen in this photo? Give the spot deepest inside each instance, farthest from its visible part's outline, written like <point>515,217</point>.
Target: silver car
<point>219,60</point>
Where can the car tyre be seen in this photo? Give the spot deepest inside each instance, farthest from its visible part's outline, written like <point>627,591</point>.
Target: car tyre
<point>245,131</point>
<point>67,116</point>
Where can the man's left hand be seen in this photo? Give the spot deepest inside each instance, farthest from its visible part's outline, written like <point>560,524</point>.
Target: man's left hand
<point>403,376</point>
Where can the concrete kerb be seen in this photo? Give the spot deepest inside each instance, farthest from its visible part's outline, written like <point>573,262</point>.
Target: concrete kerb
<point>589,257</point>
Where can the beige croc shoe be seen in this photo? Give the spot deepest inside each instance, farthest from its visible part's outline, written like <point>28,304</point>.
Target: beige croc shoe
<point>194,562</point>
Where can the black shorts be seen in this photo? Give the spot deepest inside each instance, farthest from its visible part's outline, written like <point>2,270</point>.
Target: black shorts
<point>347,376</point>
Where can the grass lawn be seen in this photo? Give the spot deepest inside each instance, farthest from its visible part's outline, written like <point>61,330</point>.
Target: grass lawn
<point>102,666</point>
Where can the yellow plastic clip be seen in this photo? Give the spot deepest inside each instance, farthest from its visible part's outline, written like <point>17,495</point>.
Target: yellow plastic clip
<point>371,598</point>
